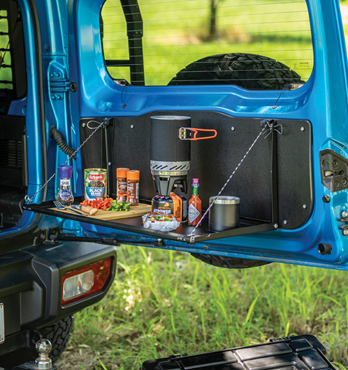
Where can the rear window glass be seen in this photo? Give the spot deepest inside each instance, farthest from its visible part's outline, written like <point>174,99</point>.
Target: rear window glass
<point>344,14</point>
<point>5,55</point>
<point>255,44</point>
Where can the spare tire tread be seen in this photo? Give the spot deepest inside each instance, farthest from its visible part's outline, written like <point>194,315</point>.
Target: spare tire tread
<point>229,262</point>
<point>250,71</point>
<point>59,335</point>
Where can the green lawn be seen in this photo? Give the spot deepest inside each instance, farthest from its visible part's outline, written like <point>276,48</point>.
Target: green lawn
<point>164,303</point>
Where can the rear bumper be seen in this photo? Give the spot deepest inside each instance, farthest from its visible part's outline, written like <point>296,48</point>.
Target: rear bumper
<point>30,285</point>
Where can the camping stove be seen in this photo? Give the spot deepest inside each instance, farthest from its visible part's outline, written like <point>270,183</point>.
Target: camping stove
<point>170,154</point>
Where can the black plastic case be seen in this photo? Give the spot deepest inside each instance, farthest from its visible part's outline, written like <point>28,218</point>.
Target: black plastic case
<point>293,353</point>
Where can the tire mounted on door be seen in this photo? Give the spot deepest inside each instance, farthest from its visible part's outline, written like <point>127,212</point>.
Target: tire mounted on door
<point>251,72</point>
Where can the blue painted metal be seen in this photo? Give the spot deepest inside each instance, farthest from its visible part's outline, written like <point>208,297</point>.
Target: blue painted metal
<point>322,101</point>
<point>31,110</point>
<point>71,33</point>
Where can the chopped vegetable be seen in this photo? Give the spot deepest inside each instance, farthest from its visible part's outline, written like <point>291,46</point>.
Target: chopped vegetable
<point>107,204</point>
<point>119,206</point>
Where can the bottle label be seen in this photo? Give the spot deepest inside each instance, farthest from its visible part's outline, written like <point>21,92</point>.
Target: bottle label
<point>65,194</point>
<point>195,190</point>
<point>193,213</point>
<point>121,187</point>
<point>137,190</point>
<point>133,192</point>
<point>64,182</point>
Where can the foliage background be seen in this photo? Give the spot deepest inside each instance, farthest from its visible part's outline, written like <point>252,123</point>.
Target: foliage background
<point>177,33</point>
<point>164,303</point>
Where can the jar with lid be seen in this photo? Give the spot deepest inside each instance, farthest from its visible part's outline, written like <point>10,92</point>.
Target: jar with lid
<point>65,195</point>
<point>121,176</point>
<point>133,177</point>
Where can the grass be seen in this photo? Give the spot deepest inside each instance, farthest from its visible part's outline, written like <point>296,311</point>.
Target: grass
<point>5,73</point>
<point>163,303</point>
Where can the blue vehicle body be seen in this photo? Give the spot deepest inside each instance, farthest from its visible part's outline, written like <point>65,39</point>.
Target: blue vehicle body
<point>71,50</point>
<point>67,82</point>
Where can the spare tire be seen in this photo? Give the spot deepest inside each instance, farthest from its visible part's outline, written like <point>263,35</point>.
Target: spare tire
<point>59,335</point>
<point>250,71</point>
<point>228,262</point>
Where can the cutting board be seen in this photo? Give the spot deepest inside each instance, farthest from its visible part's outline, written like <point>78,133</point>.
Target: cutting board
<point>134,211</point>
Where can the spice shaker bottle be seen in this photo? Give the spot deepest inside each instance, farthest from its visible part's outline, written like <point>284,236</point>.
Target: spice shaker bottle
<point>121,175</point>
<point>133,177</point>
<point>65,195</point>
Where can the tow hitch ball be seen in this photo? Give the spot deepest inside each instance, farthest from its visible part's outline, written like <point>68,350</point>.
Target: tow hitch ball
<point>43,348</point>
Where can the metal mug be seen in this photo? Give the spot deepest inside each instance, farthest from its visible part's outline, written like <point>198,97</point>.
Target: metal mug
<point>224,214</point>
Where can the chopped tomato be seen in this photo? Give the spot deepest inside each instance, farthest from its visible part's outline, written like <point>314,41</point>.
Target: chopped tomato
<point>98,203</point>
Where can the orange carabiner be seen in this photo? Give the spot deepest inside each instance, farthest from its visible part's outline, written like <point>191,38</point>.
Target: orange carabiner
<point>183,136</point>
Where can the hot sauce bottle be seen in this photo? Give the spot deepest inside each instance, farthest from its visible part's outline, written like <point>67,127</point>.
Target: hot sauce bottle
<point>195,204</point>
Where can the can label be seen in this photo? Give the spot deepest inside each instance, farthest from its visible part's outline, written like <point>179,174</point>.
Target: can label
<point>95,181</point>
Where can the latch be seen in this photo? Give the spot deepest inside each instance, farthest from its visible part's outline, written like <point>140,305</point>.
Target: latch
<point>344,218</point>
<point>334,170</point>
<point>57,80</point>
<point>46,236</point>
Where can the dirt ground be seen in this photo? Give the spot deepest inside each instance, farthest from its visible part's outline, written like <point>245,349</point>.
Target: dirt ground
<point>84,357</point>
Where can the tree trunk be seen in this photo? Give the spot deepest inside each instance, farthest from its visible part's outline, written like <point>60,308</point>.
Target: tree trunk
<point>212,26</point>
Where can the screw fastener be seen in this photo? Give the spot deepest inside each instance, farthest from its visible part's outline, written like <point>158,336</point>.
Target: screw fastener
<point>304,206</point>
<point>345,232</point>
<point>285,222</point>
<point>232,128</point>
<point>132,126</point>
<point>302,128</point>
<point>275,226</point>
<point>326,198</point>
<point>344,214</point>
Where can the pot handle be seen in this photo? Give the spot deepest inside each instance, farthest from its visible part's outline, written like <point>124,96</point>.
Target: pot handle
<point>184,136</point>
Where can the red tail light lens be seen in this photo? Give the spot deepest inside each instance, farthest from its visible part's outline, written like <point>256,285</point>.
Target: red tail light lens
<point>85,281</point>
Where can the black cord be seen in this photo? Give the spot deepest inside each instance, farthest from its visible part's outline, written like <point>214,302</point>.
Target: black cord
<point>124,104</point>
<point>275,104</point>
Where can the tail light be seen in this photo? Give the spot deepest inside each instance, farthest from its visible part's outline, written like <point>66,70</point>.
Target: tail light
<point>85,281</point>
